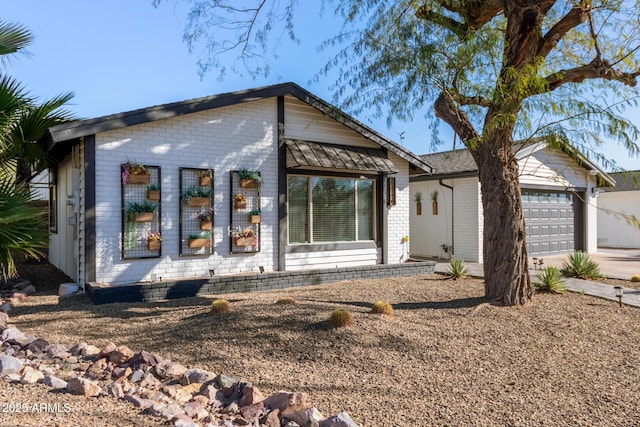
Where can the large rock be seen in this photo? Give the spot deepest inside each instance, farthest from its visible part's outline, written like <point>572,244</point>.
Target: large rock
<point>224,380</point>
<point>339,420</point>
<point>83,387</point>
<point>84,349</point>
<point>54,382</point>
<point>38,345</point>
<point>144,360</point>
<point>196,376</point>
<point>163,410</point>
<point>252,413</point>
<point>10,365</point>
<point>272,419</point>
<point>250,395</point>
<point>58,351</point>
<point>12,334</point>
<point>168,369</point>
<point>195,410</point>
<point>138,401</point>
<point>121,355</point>
<point>284,399</point>
<point>304,418</point>
<point>31,375</point>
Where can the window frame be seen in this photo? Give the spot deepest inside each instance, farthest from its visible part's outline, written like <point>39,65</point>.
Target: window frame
<point>375,226</point>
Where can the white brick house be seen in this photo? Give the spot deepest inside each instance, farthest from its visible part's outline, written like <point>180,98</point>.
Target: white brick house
<point>306,151</point>
<point>559,201</point>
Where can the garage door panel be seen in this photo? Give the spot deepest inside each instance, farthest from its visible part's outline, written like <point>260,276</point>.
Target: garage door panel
<point>549,220</point>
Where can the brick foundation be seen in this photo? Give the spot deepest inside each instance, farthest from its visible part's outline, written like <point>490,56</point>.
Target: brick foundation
<point>142,292</point>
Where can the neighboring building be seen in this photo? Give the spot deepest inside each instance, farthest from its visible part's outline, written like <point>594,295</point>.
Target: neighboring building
<point>616,207</point>
<point>324,199</point>
<point>558,196</point>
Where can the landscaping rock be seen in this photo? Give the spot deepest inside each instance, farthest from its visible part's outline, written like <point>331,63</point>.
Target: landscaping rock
<point>224,380</point>
<point>305,417</point>
<point>196,376</point>
<point>38,345</point>
<point>250,395</point>
<point>84,349</point>
<point>83,387</point>
<point>195,410</point>
<point>272,419</point>
<point>144,360</point>
<point>58,351</point>
<point>31,375</point>
<point>183,421</point>
<point>10,365</point>
<point>164,410</point>
<point>120,355</point>
<point>252,413</point>
<point>12,334</point>
<point>54,382</point>
<point>341,419</point>
<point>138,401</point>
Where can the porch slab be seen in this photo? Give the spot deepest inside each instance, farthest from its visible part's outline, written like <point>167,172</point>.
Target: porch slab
<point>189,287</point>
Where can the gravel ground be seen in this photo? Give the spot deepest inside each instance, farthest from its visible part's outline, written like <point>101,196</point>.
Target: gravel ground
<point>446,357</point>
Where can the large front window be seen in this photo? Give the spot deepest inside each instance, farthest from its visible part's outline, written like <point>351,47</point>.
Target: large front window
<point>323,209</point>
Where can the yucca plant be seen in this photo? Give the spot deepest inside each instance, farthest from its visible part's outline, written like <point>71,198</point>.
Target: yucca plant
<point>550,280</point>
<point>340,318</point>
<point>382,307</point>
<point>580,265</point>
<point>457,269</point>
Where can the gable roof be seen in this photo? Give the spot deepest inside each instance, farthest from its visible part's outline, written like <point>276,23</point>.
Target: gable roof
<point>460,163</point>
<point>72,131</point>
<point>626,181</point>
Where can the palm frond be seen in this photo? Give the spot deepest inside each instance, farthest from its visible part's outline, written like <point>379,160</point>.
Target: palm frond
<point>13,37</point>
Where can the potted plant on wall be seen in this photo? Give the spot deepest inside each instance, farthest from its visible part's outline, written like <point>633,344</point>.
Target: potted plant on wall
<point>197,196</point>
<point>249,178</point>
<point>418,199</point>
<point>135,173</point>
<point>246,237</point>
<point>204,177</point>
<point>199,240</point>
<point>154,241</point>
<point>141,212</point>
<point>240,201</point>
<point>153,192</point>
<point>434,202</point>
<point>206,219</point>
<point>254,216</point>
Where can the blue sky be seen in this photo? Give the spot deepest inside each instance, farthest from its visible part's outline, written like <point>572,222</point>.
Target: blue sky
<point>121,55</point>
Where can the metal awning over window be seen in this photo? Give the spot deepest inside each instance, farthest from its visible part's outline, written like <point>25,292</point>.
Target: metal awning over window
<point>301,154</point>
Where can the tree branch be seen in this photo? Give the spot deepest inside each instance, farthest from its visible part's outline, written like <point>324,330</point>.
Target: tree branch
<point>596,69</point>
<point>575,17</point>
<point>447,110</point>
<point>473,16</point>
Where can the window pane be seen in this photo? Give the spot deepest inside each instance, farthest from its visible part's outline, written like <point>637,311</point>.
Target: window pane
<point>365,210</point>
<point>333,210</point>
<point>298,209</point>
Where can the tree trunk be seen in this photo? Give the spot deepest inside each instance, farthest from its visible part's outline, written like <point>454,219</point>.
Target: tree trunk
<point>506,272</point>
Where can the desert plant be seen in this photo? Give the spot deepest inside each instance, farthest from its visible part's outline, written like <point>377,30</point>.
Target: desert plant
<point>434,196</point>
<point>340,318</point>
<point>417,197</point>
<point>286,301</point>
<point>382,307</point>
<point>200,235</point>
<point>580,265</point>
<point>635,278</point>
<point>221,306</point>
<point>457,269</point>
<point>550,280</point>
<point>153,187</point>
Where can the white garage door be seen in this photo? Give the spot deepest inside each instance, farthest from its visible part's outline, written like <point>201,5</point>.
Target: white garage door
<point>552,221</point>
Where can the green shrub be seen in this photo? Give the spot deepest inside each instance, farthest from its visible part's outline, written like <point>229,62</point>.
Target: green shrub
<point>635,278</point>
<point>221,306</point>
<point>382,307</point>
<point>287,301</point>
<point>340,318</point>
<point>580,265</point>
<point>550,280</point>
<point>457,269</point>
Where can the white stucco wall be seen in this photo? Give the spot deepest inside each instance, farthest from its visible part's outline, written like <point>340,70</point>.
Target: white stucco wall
<point>428,231</point>
<point>614,231</point>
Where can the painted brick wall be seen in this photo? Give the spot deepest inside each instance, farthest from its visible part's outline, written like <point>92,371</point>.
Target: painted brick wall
<point>224,139</point>
<point>428,231</point>
<point>397,223</point>
<point>468,220</point>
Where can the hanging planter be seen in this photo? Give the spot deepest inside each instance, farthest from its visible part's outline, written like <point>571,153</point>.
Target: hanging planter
<point>153,192</point>
<point>240,201</point>
<point>144,217</point>
<point>204,177</point>
<point>245,241</point>
<point>198,202</point>
<point>139,179</point>
<point>206,225</point>
<point>249,179</point>
<point>254,216</point>
<point>434,202</point>
<point>418,199</point>
<point>199,240</point>
<point>154,245</point>
<point>198,243</point>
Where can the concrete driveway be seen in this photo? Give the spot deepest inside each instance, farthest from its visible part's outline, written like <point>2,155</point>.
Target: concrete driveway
<point>614,263</point>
